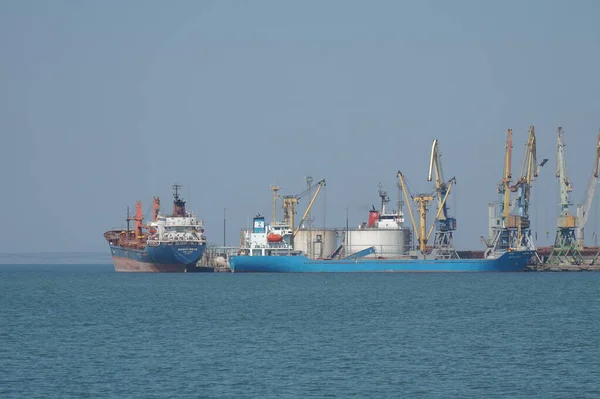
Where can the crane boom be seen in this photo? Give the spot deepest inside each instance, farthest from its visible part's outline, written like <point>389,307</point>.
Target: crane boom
<point>561,174</point>
<point>441,187</point>
<point>529,171</point>
<point>504,187</point>
<point>422,200</point>
<point>437,216</point>
<point>583,210</point>
<point>289,205</point>
<point>410,212</point>
<point>309,207</point>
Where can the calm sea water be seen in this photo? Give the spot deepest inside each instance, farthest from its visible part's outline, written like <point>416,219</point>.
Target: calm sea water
<point>82,331</point>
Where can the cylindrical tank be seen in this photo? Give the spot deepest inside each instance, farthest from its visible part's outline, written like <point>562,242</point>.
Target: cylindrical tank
<point>316,243</point>
<point>495,221</point>
<point>387,242</point>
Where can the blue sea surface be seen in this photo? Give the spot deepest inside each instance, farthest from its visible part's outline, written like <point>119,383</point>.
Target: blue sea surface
<point>83,331</point>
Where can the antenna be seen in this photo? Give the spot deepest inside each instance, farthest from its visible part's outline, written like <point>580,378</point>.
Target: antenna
<point>176,188</point>
<point>384,197</point>
<point>178,203</point>
<point>128,218</point>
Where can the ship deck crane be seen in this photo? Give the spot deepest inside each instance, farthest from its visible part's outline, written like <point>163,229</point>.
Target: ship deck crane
<point>564,250</point>
<point>289,206</point>
<point>445,225</point>
<point>583,209</point>
<point>309,207</point>
<point>423,201</point>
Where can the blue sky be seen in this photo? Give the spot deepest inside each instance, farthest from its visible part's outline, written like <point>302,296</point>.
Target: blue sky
<point>107,102</point>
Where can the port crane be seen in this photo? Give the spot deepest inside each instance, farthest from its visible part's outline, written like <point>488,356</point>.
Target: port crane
<point>583,209</point>
<point>289,207</point>
<point>275,188</point>
<point>498,240</point>
<point>564,250</point>
<point>529,171</point>
<point>512,229</point>
<point>423,201</point>
<point>504,186</point>
<point>445,225</point>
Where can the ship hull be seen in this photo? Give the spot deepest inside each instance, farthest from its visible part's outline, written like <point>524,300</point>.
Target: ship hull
<point>163,258</point>
<point>509,262</point>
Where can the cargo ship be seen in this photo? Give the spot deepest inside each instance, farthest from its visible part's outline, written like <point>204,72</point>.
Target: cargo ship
<point>259,254</point>
<point>382,244</point>
<point>169,243</point>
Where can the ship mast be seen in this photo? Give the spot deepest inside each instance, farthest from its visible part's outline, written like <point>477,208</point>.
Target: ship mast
<point>155,208</point>
<point>178,202</point>
<point>128,219</point>
<point>384,198</point>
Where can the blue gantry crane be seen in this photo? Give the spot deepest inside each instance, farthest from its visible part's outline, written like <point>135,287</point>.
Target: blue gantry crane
<point>445,225</point>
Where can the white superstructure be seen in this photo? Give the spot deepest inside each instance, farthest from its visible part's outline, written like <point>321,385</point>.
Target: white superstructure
<point>384,231</point>
<point>267,240</point>
<point>176,229</point>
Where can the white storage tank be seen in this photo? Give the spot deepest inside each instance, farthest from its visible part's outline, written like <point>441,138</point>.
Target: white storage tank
<point>316,243</point>
<point>387,242</point>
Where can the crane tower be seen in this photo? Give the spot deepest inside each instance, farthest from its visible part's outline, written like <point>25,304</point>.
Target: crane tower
<point>564,250</point>
<point>511,230</point>
<point>445,225</point>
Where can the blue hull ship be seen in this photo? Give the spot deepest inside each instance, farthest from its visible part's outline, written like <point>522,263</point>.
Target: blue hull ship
<point>173,243</point>
<point>259,254</point>
<point>161,258</point>
<point>507,262</point>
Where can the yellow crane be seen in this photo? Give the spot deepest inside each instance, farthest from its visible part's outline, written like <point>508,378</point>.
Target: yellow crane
<point>529,171</point>
<point>498,233</point>
<point>289,207</point>
<point>423,201</point>
<point>504,186</point>
<point>512,229</point>
<point>309,207</point>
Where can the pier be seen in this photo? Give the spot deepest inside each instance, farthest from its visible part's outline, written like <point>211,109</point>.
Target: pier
<point>564,268</point>
<point>217,257</point>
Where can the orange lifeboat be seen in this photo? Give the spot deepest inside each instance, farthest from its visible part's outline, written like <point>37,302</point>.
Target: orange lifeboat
<point>272,237</point>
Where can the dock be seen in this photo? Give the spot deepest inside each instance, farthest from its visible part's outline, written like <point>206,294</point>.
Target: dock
<point>217,257</point>
<point>564,268</point>
<point>588,260</point>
